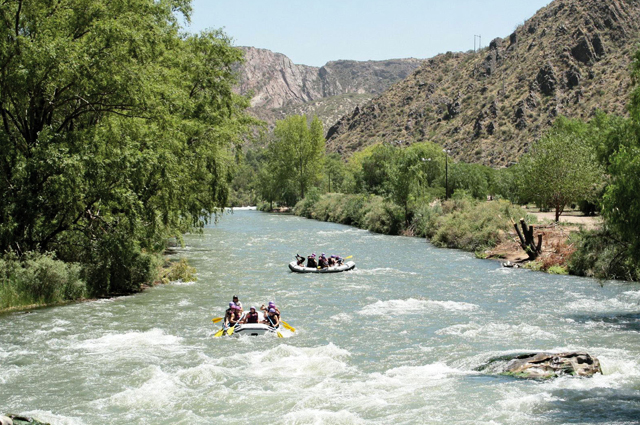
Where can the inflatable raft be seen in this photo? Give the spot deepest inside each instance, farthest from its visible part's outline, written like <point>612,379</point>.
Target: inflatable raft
<point>254,329</point>
<point>349,265</point>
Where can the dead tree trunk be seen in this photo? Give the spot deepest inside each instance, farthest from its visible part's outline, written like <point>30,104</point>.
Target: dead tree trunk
<point>527,242</point>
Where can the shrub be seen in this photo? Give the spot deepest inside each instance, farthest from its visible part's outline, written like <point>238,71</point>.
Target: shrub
<point>38,279</point>
<point>601,255</point>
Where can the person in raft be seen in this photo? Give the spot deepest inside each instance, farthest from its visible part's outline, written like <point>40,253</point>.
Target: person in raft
<point>300,260</point>
<point>232,317</point>
<point>251,317</point>
<point>271,305</point>
<point>311,261</point>
<point>238,303</point>
<point>272,318</point>
<point>323,263</point>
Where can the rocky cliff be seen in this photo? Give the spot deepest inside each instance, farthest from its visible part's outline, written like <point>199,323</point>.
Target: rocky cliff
<point>571,58</point>
<point>280,88</point>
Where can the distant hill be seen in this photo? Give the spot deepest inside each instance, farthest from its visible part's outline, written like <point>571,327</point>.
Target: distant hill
<point>571,58</point>
<point>281,88</point>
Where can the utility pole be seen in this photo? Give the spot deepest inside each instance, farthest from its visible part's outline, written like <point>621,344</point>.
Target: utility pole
<point>479,42</point>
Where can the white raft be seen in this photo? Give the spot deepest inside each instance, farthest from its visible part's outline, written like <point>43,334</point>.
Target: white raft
<point>254,329</point>
<point>349,265</point>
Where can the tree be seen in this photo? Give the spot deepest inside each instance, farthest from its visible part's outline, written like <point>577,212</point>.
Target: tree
<point>297,153</point>
<point>115,131</point>
<point>560,168</point>
<point>620,153</point>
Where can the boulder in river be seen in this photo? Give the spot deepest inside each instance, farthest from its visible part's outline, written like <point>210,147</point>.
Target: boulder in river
<point>22,420</point>
<point>5,420</point>
<point>543,365</point>
<point>547,365</point>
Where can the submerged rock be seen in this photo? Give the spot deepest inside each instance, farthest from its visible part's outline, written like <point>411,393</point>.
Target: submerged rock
<point>547,365</point>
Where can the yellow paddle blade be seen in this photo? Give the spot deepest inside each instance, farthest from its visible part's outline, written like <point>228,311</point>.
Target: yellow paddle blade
<point>346,258</point>
<point>219,333</point>
<point>280,335</point>
<point>230,331</point>
<point>287,326</point>
<point>217,319</point>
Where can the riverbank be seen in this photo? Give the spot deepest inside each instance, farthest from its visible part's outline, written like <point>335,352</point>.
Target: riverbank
<point>482,227</point>
<point>41,281</point>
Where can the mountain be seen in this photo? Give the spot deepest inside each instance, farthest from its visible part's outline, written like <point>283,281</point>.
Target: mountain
<point>280,88</point>
<point>571,58</point>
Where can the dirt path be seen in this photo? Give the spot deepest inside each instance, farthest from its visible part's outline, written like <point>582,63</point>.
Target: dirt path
<point>555,246</point>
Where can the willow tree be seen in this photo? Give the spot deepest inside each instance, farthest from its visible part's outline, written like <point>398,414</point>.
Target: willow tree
<point>297,153</point>
<point>115,131</point>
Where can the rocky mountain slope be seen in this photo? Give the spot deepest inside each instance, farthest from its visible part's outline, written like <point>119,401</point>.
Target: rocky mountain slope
<point>280,88</point>
<point>571,58</point>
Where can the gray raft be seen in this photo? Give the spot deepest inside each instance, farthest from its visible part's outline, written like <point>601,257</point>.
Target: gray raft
<point>349,265</point>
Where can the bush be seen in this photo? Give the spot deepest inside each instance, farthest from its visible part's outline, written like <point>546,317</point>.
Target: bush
<point>38,279</point>
<point>601,255</point>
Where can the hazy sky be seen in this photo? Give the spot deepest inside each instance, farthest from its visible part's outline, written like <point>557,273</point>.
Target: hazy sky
<point>313,32</point>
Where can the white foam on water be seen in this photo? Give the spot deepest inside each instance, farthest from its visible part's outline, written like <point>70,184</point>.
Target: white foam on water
<point>159,391</point>
<point>342,318</point>
<point>50,417</point>
<point>340,232</point>
<point>495,331</point>
<point>382,271</point>
<point>413,305</point>
<point>321,417</point>
<point>139,342</point>
<point>625,302</point>
<point>184,303</point>
<point>300,361</point>
<point>180,282</point>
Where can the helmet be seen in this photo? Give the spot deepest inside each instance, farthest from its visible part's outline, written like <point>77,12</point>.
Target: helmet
<point>272,304</point>
<point>252,308</point>
<point>232,304</point>
<point>272,310</point>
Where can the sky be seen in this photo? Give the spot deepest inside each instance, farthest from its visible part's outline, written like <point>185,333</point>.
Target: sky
<point>313,32</point>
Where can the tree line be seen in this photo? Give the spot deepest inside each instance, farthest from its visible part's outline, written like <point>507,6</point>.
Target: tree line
<point>593,165</point>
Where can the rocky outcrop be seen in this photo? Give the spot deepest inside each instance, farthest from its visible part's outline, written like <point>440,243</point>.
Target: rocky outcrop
<point>21,420</point>
<point>545,365</point>
<point>572,58</point>
<point>279,88</point>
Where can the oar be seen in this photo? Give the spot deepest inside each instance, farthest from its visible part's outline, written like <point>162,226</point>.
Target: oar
<point>286,325</point>
<point>219,333</point>
<point>217,320</point>
<point>273,326</point>
<point>231,328</point>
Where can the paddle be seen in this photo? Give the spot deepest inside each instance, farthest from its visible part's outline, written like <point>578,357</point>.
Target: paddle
<point>217,319</point>
<point>219,333</point>
<point>286,325</point>
<point>231,328</point>
<point>274,327</point>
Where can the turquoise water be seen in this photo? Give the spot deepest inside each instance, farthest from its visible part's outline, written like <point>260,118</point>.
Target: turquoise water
<point>396,341</point>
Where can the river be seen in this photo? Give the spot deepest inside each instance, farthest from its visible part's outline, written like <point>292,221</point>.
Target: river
<point>398,340</point>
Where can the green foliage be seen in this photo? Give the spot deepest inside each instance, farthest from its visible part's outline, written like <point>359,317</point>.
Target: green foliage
<point>38,279</point>
<point>295,158</point>
<point>178,270</point>
<point>116,132</point>
<point>601,254</point>
<point>558,270</point>
<point>560,168</point>
<point>469,224</point>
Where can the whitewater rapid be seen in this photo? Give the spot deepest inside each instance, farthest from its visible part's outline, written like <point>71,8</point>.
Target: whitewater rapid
<point>399,340</point>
